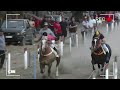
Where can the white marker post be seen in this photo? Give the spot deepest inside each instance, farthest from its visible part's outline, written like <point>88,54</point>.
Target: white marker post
<point>115,68</point>
<point>38,49</point>
<point>116,71</point>
<point>112,26</point>
<point>70,43</point>
<point>107,74</point>
<point>9,63</point>
<point>61,46</point>
<point>77,40</point>
<point>57,72</point>
<point>107,27</point>
<point>93,76</point>
<point>25,58</point>
<point>116,24</point>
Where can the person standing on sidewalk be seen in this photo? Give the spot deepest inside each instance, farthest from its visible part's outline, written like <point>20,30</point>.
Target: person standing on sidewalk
<point>32,24</point>
<point>58,30</point>
<point>63,24</point>
<point>43,21</point>
<point>2,49</point>
<point>73,30</point>
<point>85,27</point>
<point>92,24</point>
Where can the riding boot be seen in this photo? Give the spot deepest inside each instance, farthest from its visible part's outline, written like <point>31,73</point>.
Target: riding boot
<point>56,52</point>
<point>55,49</point>
<point>107,57</point>
<point>105,48</point>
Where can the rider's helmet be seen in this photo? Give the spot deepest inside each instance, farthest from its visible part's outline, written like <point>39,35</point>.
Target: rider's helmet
<point>97,33</point>
<point>45,24</point>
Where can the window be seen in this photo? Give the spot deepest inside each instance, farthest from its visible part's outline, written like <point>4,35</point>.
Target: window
<point>13,24</point>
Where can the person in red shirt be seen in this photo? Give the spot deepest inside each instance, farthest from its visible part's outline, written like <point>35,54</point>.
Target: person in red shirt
<point>58,30</point>
<point>51,24</point>
<point>109,19</point>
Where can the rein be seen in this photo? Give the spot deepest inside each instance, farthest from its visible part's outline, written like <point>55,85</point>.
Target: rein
<point>99,53</point>
<point>48,53</point>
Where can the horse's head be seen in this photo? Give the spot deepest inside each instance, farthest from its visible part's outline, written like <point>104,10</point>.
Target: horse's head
<point>96,43</point>
<point>44,44</point>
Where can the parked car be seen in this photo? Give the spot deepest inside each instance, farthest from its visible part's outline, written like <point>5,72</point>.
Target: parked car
<point>18,30</point>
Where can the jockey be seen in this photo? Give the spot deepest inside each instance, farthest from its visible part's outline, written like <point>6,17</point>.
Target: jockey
<point>104,47</point>
<point>49,35</point>
<point>47,30</point>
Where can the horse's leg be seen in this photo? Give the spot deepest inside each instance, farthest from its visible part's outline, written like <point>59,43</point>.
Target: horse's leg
<point>102,67</point>
<point>58,62</point>
<point>42,68</point>
<point>98,66</point>
<point>2,61</point>
<point>49,69</point>
<point>93,65</point>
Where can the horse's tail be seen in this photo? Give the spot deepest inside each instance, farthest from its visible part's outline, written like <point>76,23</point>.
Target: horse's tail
<point>110,51</point>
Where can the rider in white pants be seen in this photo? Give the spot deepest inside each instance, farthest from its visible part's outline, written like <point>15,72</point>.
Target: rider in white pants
<point>53,46</point>
<point>44,32</point>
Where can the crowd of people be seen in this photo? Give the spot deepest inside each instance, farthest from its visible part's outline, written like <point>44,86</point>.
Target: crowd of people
<point>58,28</point>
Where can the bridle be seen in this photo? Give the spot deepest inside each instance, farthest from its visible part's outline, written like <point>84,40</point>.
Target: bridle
<point>97,45</point>
<point>45,49</point>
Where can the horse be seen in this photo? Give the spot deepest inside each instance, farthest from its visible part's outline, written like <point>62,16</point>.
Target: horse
<point>98,55</point>
<point>47,57</point>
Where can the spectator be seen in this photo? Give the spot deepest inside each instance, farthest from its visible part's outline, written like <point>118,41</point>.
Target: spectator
<point>63,24</point>
<point>2,49</point>
<point>32,24</point>
<point>51,25</point>
<point>43,21</point>
<point>57,29</point>
<point>85,25</point>
<point>92,24</point>
<point>72,30</point>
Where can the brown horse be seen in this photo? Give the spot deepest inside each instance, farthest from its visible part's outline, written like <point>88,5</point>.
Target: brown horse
<point>47,57</point>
